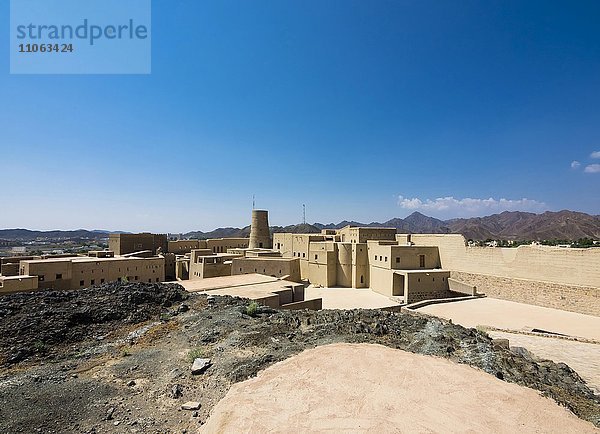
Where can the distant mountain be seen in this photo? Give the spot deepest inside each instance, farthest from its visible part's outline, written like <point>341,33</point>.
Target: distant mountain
<point>419,223</point>
<point>513,225</point>
<point>509,225</point>
<point>220,233</point>
<point>338,225</point>
<point>27,235</point>
<point>414,223</point>
<point>516,225</point>
<point>245,232</point>
<point>302,228</point>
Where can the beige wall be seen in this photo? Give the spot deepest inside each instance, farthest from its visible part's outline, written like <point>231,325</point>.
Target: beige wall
<point>296,246</point>
<point>402,257</point>
<point>51,273</point>
<point>10,269</point>
<point>344,265</point>
<point>360,270</point>
<point>424,286</point>
<point>82,272</point>
<point>314,304</point>
<point>351,234</point>
<point>16,259</point>
<point>461,287</point>
<point>382,280</point>
<point>181,247</point>
<point>282,242</point>
<point>203,266</point>
<point>323,263</point>
<point>88,273</point>
<point>548,264</point>
<point>170,272</point>
<point>414,286</point>
<point>182,268</point>
<point>220,245</point>
<point>18,284</point>
<point>580,299</point>
<point>123,244</point>
<point>276,267</point>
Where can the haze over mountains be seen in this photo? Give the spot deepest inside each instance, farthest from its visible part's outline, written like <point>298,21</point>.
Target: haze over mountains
<point>509,225</point>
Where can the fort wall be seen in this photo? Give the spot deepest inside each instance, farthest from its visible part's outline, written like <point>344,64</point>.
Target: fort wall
<point>276,267</point>
<point>574,298</point>
<point>567,266</point>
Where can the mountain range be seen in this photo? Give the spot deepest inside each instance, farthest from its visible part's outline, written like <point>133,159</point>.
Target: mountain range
<point>508,225</point>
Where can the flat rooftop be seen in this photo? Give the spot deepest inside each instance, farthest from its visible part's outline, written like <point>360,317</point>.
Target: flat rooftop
<point>17,277</point>
<point>252,286</point>
<point>213,283</point>
<point>89,259</point>
<point>268,258</point>
<point>349,298</point>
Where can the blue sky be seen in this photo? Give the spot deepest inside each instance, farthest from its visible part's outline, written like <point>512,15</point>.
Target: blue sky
<point>360,110</point>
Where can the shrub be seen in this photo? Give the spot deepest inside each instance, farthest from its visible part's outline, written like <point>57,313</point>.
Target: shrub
<point>482,329</point>
<point>196,353</point>
<point>252,309</point>
<point>39,346</point>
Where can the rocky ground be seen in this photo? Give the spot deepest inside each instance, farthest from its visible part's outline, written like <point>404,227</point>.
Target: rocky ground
<point>117,358</point>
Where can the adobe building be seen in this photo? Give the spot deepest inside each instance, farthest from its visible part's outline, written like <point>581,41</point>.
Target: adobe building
<point>12,284</point>
<point>355,257</point>
<point>9,265</point>
<point>181,247</point>
<point>368,257</point>
<point>268,265</point>
<point>203,266</point>
<point>351,234</point>
<point>409,271</point>
<point>123,244</point>
<point>266,290</point>
<point>83,271</point>
<point>222,245</point>
<point>297,246</point>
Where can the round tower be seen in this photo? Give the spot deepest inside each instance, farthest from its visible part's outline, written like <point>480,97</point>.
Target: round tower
<point>260,236</point>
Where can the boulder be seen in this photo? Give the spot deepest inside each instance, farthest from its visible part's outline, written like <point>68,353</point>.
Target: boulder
<point>191,405</point>
<point>200,365</point>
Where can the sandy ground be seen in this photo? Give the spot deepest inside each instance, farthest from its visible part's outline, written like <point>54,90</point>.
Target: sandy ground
<point>516,316</point>
<point>581,356</point>
<point>348,298</point>
<point>372,388</point>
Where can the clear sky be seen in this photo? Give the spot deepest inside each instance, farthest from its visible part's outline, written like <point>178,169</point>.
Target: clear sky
<point>362,110</point>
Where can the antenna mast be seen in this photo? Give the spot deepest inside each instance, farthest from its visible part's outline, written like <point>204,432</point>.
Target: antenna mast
<point>252,201</point>
<point>303,214</point>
